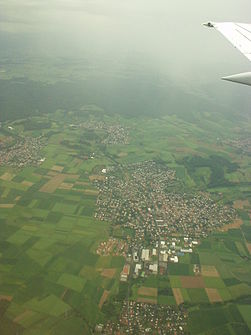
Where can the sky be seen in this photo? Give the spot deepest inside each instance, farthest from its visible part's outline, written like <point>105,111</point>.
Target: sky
<point>167,35</point>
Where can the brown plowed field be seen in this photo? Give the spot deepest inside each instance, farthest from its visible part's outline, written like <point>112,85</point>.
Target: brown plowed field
<point>235,225</point>
<point>103,299</point>
<point>6,297</point>
<point>240,204</point>
<point>192,282</point>
<point>108,273</point>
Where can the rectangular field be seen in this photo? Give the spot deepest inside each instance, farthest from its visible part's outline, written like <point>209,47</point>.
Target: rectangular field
<point>192,282</point>
<point>213,295</point>
<point>108,273</point>
<point>178,296</point>
<point>103,298</point>
<point>148,291</point>
<point>209,271</point>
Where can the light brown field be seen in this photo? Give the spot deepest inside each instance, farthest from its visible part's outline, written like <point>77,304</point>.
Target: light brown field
<point>57,168</point>
<point>108,273</point>
<point>52,173</point>
<point>235,225</point>
<point>7,176</point>
<point>6,297</point>
<point>240,204</point>
<point>209,271</point>
<point>123,154</point>
<point>148,291</point>
<point>96,177</point>
<point>83,183</point>
<point>91,192</point>
<point>66,186</point>
<point>213,295</point>
<point>249,247</point>
<point>185,150</point>
<point>18,198</point>
<point>53,183</point>
<point>147,300</point>
<point>22,316</point>
<point>192,282</point>
<point>56,181</point>
<point>27,183</point>
<point>7,205</point>
<point>178,296</point>
<point>103,299</point>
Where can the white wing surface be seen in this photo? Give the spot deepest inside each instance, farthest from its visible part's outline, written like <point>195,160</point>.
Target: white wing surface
<point>239,34</point>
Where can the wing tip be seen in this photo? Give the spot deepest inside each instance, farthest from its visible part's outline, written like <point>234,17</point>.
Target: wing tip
<point>208,24</point>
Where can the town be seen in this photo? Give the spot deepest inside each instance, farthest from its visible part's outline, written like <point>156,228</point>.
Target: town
<point>114,134</point>
<point>140,197</point>
<point>141,318</point>
<point>22,151</point>
<point>244,145</point>
<point>113,247</point>
<point>167,225</point>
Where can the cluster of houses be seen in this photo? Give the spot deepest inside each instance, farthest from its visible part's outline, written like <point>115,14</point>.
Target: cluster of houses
<point>23,151</point>
<point>114,134</point>
<point>140,318</point>
<point>243,145</point>
<point>113,247</point>
<point>141,197</point>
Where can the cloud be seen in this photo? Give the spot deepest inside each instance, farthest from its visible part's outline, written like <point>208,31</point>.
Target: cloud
<point>166,33</point>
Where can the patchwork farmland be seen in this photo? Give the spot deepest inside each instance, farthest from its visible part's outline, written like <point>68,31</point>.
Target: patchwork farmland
<point>60,266</point>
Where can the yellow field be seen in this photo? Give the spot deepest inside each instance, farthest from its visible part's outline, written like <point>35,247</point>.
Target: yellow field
<point>97,177</point>
<point>209,271</point>
<point>56,181</point>
<point>57,168</point>
<point>7,205</point>
<point>7,176</point>
<point>213,295</point>
<point>178,296</point>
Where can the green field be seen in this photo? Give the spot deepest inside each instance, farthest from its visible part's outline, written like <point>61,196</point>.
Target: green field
<point>49,268</point>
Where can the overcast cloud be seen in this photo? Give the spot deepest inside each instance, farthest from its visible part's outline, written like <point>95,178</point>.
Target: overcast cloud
<point>166,34</point>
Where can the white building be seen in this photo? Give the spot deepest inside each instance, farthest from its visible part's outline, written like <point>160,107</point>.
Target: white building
<point>145,256</point>
<point>174,259</point>
<point>186,251</point>
<point>153,268</point>
<point>138,267</point>
<point>135,256</point>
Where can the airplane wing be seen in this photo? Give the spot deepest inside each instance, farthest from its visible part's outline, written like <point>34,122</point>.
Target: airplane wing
<point>239,34</point>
